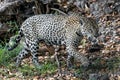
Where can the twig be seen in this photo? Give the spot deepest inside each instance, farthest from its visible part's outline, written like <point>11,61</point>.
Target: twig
<point>59,11</point>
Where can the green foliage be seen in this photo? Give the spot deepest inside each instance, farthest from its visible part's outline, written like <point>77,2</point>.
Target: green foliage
<point>31,70</point>
<point>48,67</point>
<point>27,70</point>
<point>113,63</point>
<point>14,27</point>
<point>7,56</point>
<point>13,30</point>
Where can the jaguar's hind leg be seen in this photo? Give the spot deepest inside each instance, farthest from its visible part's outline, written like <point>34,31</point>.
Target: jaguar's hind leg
<point>23,53</point>
<point>34,52</point>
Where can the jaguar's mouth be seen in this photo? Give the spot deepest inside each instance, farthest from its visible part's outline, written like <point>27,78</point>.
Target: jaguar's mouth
<point>95,48</point>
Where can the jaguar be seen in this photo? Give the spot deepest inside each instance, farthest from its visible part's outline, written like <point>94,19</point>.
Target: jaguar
<point>55,30</point>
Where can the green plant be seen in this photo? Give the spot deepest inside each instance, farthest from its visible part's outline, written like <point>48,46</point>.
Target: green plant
<point>13,30</point>
<point>7,56</point>
<point>14,27</point>
<point>48,67</point>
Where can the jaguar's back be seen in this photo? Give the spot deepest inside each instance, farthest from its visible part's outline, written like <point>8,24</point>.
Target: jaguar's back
<point>49,28</point>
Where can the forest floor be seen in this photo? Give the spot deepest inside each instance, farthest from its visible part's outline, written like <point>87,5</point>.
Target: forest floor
<point>105,63</point>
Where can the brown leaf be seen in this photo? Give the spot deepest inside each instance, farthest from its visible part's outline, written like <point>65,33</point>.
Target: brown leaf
<point>74,78</point>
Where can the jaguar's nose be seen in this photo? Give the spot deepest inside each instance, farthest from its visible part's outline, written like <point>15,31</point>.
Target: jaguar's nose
<point>93,40</point>
<point>90,38</point>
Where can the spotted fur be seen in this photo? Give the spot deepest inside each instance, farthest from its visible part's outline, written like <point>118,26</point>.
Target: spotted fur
<point>56,30</point>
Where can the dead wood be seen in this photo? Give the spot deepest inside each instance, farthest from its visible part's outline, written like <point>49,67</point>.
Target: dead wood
<point>6,5</point>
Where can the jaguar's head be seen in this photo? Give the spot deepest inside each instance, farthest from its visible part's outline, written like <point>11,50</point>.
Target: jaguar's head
<point>90,29</point>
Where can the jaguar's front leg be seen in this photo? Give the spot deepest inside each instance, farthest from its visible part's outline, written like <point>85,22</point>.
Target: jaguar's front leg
<point>72,51</point>
<point>57,48</point>
<point>70,61</point>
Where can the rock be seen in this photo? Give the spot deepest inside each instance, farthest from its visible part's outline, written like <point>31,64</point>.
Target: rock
<point>107,9</point>
<point>93,76</point>
<point>104,77</point>
<point>117,8</point>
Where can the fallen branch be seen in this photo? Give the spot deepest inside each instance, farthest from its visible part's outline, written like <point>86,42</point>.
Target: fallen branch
<point>5,5</point>
<point>59,11</point>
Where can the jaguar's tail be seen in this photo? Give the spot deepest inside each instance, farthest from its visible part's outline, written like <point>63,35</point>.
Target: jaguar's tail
<point>16,39</point>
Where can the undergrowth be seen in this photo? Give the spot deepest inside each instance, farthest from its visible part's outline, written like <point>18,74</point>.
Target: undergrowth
<point>7,60</point>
